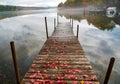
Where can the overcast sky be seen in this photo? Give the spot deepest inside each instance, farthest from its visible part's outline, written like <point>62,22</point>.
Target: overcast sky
<point>40,3</point>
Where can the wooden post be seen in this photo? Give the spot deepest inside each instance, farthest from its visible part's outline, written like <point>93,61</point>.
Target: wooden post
<point>72,23</point>
<point>77,30</point>
<point>15,62</point>
<point>54,23</point>
<point>112,60</point>
<point>46,27</point>
<point>57,19</point>
<point>84,11</point>
<point>70,19</point>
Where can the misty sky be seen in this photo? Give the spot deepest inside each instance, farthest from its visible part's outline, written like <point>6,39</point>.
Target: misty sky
<point>40,3</point>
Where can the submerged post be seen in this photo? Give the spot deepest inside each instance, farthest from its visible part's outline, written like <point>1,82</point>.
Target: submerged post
<point>54,23</point>
<point>112,60</point>
<point>15,62</point>
<point>77,30</point>
<point>46,27</point>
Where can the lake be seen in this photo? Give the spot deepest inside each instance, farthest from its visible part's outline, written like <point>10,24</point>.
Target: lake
<point>98,35</point>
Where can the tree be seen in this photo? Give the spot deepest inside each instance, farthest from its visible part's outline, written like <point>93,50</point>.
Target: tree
<point>60,4</point>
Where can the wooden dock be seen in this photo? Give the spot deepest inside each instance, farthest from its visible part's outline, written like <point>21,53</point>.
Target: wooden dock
<point>61,61</point>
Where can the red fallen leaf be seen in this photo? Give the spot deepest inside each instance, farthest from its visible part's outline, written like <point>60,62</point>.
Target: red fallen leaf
<point>36,83</point>
<point>53,64</point>
<point>45,71</point>
<point>85,76</point>
<point>61,64</point>
<point>32,70</point>
<point>64,46</point>
<point>33,76</point>
<point>43,76</point>
<point>51,82</point>
<point>71,76</point>
<point>65,64</point>
<point>33,65</point>
<point>63,74</point>
<point>47,82</point>
<point>60,82</point>
<point>47,55</point>
<point>88,82</point>
<point>56,67</point>
<point>32,80</point>
<point>38,59</point>
<point>53,75</point>
<point>74,82</point>
<point>78,71</point>
<point>76,77</point>
<point>58,51</point>
<point>58,78</point>
<point>38,71</point>
<point>69,71</point>
<point>68,66</point>
<point>42,81</point>
<point>92,77</point>
<point>44,66</point>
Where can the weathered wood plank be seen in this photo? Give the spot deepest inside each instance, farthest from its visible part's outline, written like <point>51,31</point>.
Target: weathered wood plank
<point>74,77</point>
<point>64,56</point>
<point>61,71</point>
<point>62,66</point>
<point>50,58</point>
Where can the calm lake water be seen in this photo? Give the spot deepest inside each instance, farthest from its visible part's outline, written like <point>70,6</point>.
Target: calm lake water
<point>98,35</point>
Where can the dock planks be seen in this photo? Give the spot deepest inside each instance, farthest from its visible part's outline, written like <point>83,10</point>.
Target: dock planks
<point>61,61</point>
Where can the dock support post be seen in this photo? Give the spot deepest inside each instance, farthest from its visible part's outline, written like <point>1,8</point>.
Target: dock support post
<point>54,23</point>
<point>109,70</point>
<point>72,23</point>
<point>77,30</point>
<point>15,62</point>
<point>57,19</point>
<point>46,27</point>
<point>70,19</point>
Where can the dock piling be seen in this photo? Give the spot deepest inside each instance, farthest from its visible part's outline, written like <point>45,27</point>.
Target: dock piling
<point>15,62</point>
<point>77,31</point>
<point>46,27</point>
<point>54,23</point>
<point>70,19</point>
<point>72,23</point>
<point>57,19</point>
<point>109,70</point>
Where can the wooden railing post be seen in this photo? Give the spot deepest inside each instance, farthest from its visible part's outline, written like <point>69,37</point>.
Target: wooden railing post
<point>54,23</point>
<point>46,27</point>
<point>15,62</point>
<point>77,30</point>
<point>109,70</point>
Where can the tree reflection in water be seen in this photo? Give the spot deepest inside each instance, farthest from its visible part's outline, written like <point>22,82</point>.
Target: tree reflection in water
<point>98,20</point>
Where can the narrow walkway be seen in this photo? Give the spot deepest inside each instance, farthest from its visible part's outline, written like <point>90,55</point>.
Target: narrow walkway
<point>61,61</point>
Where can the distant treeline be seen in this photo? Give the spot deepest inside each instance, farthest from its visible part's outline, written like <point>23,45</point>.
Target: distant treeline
<point>15,8</point>
<point>78,3</point>
<point>8,8</point>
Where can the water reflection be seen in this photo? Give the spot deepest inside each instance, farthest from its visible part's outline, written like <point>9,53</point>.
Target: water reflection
<point>99,20</point>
